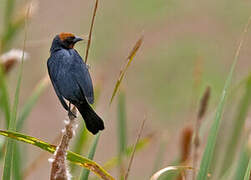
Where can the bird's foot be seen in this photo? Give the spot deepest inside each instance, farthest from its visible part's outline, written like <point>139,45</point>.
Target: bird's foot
<point>72,114</point>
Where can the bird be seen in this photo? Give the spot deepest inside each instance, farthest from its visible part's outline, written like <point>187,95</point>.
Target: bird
<point>71,79</point>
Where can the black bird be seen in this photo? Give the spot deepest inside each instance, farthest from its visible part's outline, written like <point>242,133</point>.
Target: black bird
<point>71,79</point>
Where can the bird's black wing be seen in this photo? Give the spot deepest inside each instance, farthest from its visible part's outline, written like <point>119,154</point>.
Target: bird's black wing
<point>81,74</point>
<point>52,73</point>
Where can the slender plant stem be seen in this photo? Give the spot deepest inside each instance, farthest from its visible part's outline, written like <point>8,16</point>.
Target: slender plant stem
<point>134,149</point>
<point>90,32</point>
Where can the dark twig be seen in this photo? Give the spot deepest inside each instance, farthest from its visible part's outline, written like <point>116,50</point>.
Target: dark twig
<point>90,32</point>
<point>134,148</point>
<point>59,170</point>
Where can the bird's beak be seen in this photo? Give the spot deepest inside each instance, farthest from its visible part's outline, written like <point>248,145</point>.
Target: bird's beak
<point>77,39</point>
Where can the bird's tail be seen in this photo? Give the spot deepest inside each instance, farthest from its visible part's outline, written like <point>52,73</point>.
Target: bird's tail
<point>92,121</point>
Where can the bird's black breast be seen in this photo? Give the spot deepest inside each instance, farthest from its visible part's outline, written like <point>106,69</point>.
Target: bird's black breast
<point>70,75</point>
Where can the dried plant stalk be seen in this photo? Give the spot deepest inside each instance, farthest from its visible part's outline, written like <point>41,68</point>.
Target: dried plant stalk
<point>185,146</point>
<point>124,69</point>
<point>203,104</point>
<point>186,139</point>
<point>90,33</point>
<point>202,110</point>
<point>134,149</point>
<point>59,170</point>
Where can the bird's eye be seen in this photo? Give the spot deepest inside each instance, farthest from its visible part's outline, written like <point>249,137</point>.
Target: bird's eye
<point>69,39</point>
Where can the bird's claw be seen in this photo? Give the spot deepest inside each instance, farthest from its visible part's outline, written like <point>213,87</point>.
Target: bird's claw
<point>71,114</point>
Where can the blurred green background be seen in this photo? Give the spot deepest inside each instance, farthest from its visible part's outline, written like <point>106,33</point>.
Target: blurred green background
<point>187,46</point>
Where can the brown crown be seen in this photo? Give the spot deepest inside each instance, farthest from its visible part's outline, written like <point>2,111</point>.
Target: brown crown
<point>65,35</point>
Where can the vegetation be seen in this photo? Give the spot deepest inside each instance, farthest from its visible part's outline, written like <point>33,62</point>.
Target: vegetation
<point>203,152</point>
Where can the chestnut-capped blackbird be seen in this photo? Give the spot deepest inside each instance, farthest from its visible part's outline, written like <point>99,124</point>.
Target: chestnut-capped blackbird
<point>71,79</point>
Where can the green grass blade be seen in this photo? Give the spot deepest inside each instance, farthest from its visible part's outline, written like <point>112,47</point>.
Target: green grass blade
<point>123,71</point>
<point>8,16</point>
<point>9,35</point>
<point>71,156</point>
<point>8,160</point>
<point>238,125</point>
<point>122,142</point>
<point>242,163</point>
<point>85,173</point>
<point>208,153</point>
<point>9,11</point>
<point>247,174</point>
<point>42,85</point>
<point>121,131</point>
<point>172,175</point>
<point>8,163</point>
<point>17,171</point>
<point>4,98</point>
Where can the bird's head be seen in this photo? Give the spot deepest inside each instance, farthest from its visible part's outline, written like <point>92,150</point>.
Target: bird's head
<point>65,41</point>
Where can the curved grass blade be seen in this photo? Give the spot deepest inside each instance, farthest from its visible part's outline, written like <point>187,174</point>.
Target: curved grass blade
<point>41,86</point>
<point>10,4</point>
<point>23,115</point>
<point>8,160</point>
<point>85,173</point>
<point>242,163</point>
<point>175,174</point>
<point>8,35</point>
<point>90,32</point>
<point>123,71</point>
<point>8,163</point>
<point>210,146</point>
<point>169,169</point>
<point>10,29</point>
<point>121,131</point>
<point>4,98</point>
<point>247,174</point>
<point>71,156</point>
<point>122,123</point>
<point>17,170</point>
<point>239,122</point>
<point>134,149</point>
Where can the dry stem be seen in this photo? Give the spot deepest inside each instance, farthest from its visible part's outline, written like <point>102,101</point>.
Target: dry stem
<point>90,33</point>
<point>134,148</point>
<point>59,170</point>
<point>203,107</point>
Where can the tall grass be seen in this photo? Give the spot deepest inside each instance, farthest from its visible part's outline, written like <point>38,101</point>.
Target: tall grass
<point>208,153</point>
<point>122,134</point>
<point>15,120</point>
<point>11,147</point>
